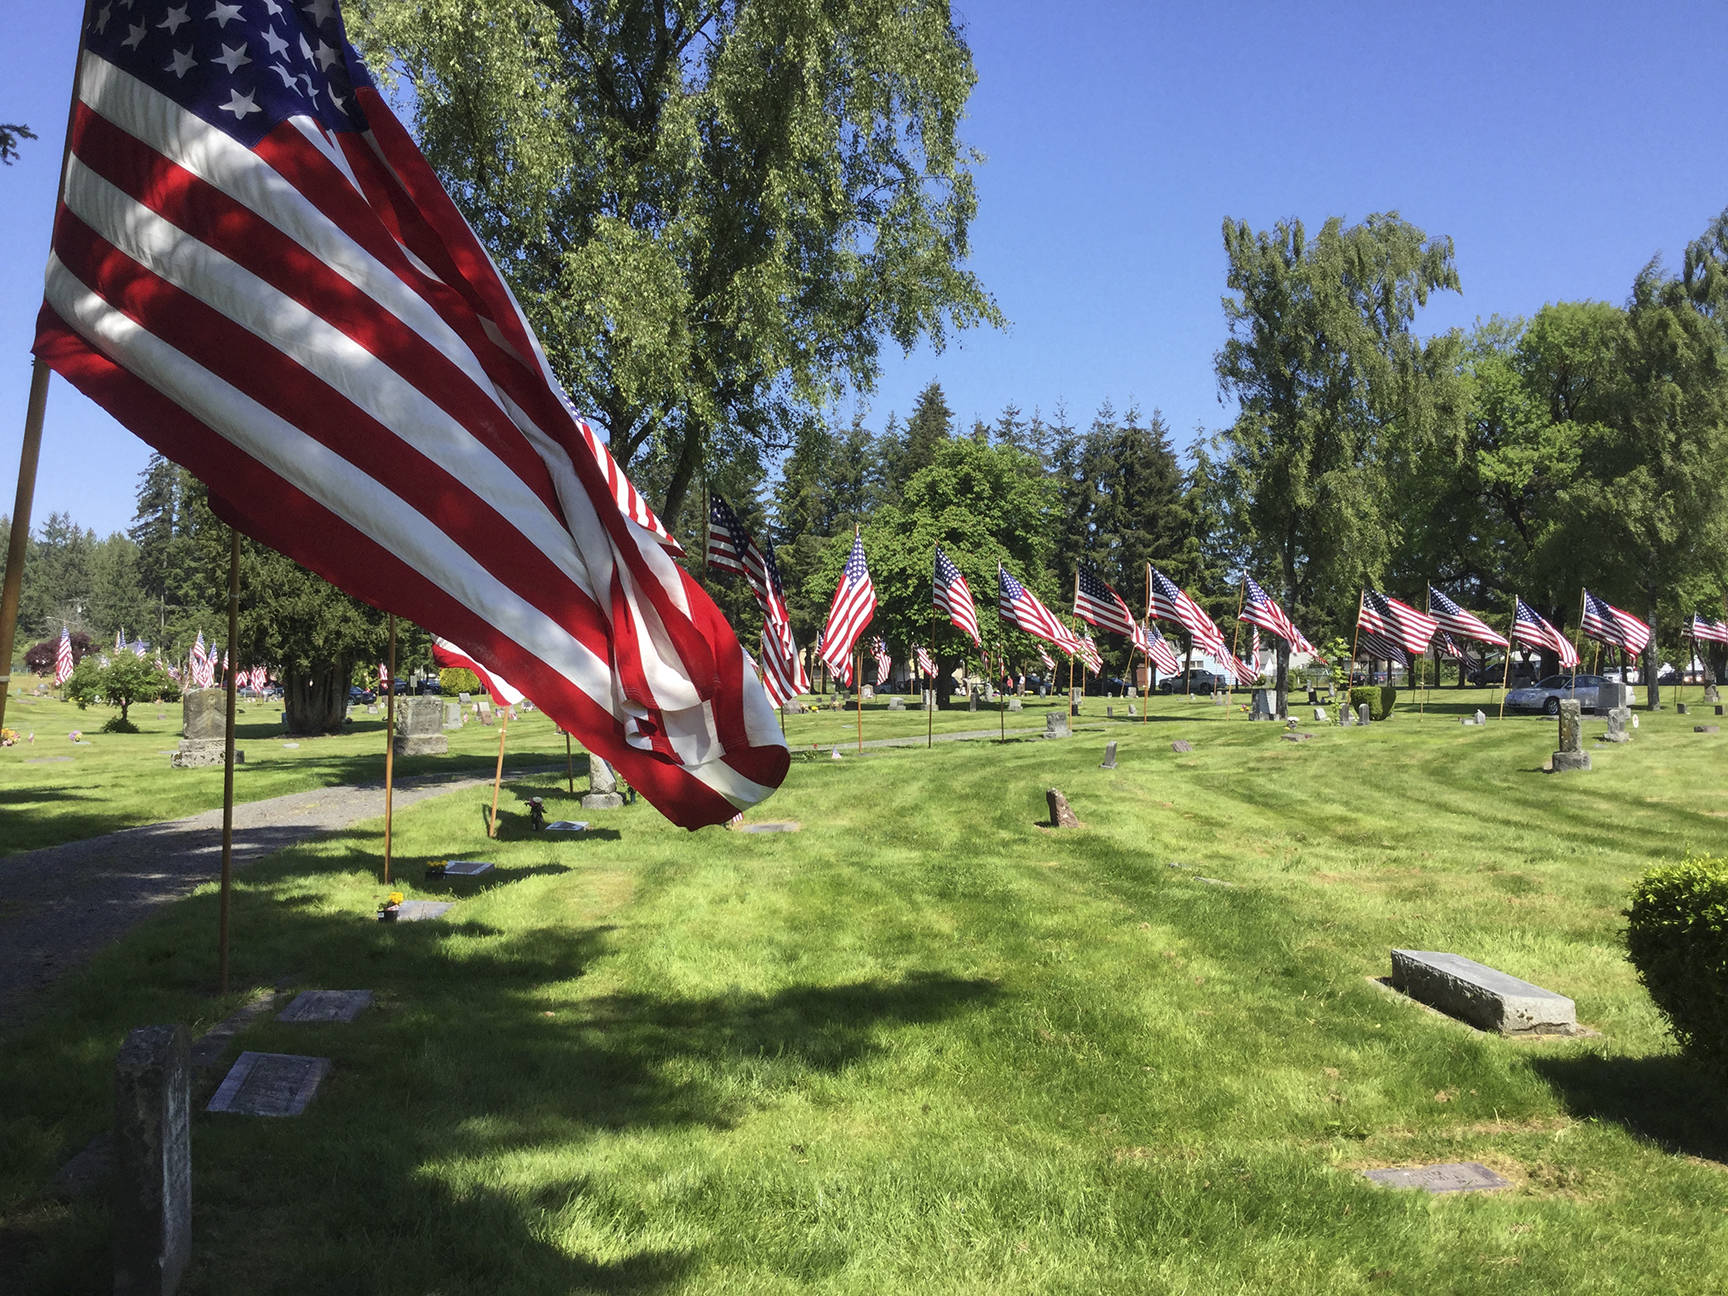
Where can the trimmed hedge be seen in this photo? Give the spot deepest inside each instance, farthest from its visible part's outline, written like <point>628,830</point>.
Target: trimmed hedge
<point>1379,698</point>
<point>456,680</point>
<point>1677,938</point>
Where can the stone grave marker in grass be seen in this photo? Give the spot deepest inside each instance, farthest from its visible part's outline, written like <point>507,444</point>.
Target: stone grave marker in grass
<point>1617,718</point>
<point>420,727</point>
<point>1061,813</point>
<point>326,1006</point>
<point>152,1184</point>
<point>1056,725</point>
<point>1461,1176</point>
<point>1109,761</point>
<point>772,826</point>
<point>1571,755</point>
<point>602,786</point>
<point>1181,745</point>
<point>270,1084</point>
<point>422,910</point>
<point>567,826</point>
<point>1480,995</point>
<point>1706,729</point>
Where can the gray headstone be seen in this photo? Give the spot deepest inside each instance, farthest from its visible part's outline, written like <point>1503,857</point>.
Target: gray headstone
<point>1181,745</point>
<point>1462,1176</point>
<point>929,699</point>
<point>1263,707</point>
<point>1109,756</point>
<point>1015,704</point>
<point>1680,708</point>
<point>372,710</point>
<point>326,1006</point>
<point>971,701</point>
<point>1133,692</point>
<point>1218,697</point>
<point>1479,718</point>
<point>452,715</point>
<point>1109,713</point>
<point>1061,813</point>
<point>420,727</point>
<point>467,868</point>
<point>896,703</point>
<point>1571,755</point>
<point>270,1084</point>
<point>600,775</point>
<point>1712,695</point>
<point>869,692</point>
<point>205,713</point>
<point>1296,737</point>
<point>422,910</point>
<point>1056,725</point>
<point>1131,710</point>
<point>465,699</point>
<point>1364,714</point>
<point>1481,995</point>
<point>152,1185</point>
<point>1075,695</point>
<point>1319,713</point>
<point>1617,721</point>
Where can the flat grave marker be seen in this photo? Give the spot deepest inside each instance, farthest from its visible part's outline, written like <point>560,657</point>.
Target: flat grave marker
<point>270,1084</point>
<point>467,868</point>
<point>567,825</point>
<point>326,1006</point>
<point>1181,745</point>
<point>417,911</point>
<point>1483,996</point>
<point>772,826</point>
<point>1457,1176</point>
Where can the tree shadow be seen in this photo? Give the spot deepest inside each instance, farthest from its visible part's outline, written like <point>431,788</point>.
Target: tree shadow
<point>1663,1098</point>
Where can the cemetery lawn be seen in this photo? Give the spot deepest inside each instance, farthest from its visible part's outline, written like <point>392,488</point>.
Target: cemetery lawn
<point>928,1044</point>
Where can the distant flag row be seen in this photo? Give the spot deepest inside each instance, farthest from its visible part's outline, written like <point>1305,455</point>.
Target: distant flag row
<point>731,548</point>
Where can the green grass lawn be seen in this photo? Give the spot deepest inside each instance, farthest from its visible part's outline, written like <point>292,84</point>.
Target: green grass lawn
<point>928,1044</point>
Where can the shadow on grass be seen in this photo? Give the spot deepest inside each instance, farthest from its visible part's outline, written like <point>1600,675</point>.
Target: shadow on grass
<point>1664,1099</point>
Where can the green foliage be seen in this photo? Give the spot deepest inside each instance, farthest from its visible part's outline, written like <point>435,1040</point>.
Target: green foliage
<point>456,680</point>
<point>119,725</point>
<point>123,680</point>
<point>1379,697</point>
<point>1677,938</point>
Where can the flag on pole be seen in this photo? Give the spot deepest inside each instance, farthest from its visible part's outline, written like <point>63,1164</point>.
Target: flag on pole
<point>1455,621</point>
<point>1710,631</point>
<point>1019,606</point>
<point>1613,626</point>
<point>449,656</point>
<point>926,663</point>
<point>1260,609</point>
<point>255,270</point>
<point>1387,618</point>
<point>120,639</point>
<point>951,594</point>
<point>1097,603</point>
<point>727,539</point>
<point>1087,652</point>
<point>884,663</point>
<point>1157,648</point>
<point>731,548</point>
<point>783,675</point>
<point>1049,662</point>
<point>1170,603</point>
<point>1529,628</point>
<point>1373,645</point>
<point>63,657</point>
<point>854,604</point>
<point>384,676</point>
<point>200,664</point>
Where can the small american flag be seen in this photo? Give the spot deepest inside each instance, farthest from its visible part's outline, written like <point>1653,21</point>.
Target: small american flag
<point>1019,606</point>
<point>951,594</point>
<point>1446,646</point>
<point>854,604</point>
<point>1529,628</point>
<point>63,657</point>
<point>1170,603</point>
<point>203,670</point>
<point>884,663</point>
<point>926,663</point>
<point>1387,618</point>
<point>1456,621</point>
<point>1706,629</point>
<point>1613,626</point>
<point>783,675</point>
<point>1096,602</point>
<point>1049,662</point>
<point>1373,645</point>
<point>1087,652</point>
<point>1260,609</point>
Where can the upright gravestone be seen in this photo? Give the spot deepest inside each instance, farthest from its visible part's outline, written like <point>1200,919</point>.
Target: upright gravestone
<point>420,727</point>
<point>971,699</point>
<point>205,729</point>
<point>1680,708</point>
<point>1479,718</point>
<point>1109,713</point>
<point>152,1161</point>
<point>869,692</point>
<point>1109,761</point>
<point>1015,704</point>
<point>1712,695</point>
<point>1571,755</point>
<point>1132,692</point>
<point>1056,725</point>
<point>1617,721</point>
<point>1262,708</point>
<point>929,699</point>
<point>602,786</point>
<point>1611,694</point>
<point>1364,715</point>
<point>1319,711</point>
<point>896,703</point>
<point>452,715</point>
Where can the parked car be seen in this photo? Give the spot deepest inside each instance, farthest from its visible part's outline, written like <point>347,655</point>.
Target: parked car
<point>1546,695</point>
<point>1203,681</point>
<point>364,696</point>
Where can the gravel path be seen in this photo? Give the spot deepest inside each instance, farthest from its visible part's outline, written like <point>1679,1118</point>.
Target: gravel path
<point>61,904</point>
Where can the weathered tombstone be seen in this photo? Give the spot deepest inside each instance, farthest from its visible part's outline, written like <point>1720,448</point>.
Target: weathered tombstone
<point>1319,711</point>
<point>205,729</point>
<point>896,703</point>
<point>1181,745</point>
<point>1056,725</point>
<point>1109,713</point>
<point>468,868</point>
<point>421,910</point>
<point>1364,715</point>
<point>1479,718</point>
<point>152,1186</point>
<point>420,727</point>
<point>1061,813</point>
<point>1571,755</point>
<point>1456,1176</point>
<point>1109,761</point>
<point>1313,696</point>
<point>602,786</point>
<point>1617,718</point>
<point>326,1006</point>
<point>1295,737</point>
<point>1718,708</point>
<point>869,692</point>
<point>452,715</point>
<point>372,710</point>
<point>1680,708</point>
<point>1131,710</point>
<point>1218,697</point>
<point>1711,695</point>
<point>1015,704</point>
<point>270,1084</point>
<point>1481,995</point>
<point>971,699</point>
<point>1263,707</point>
<point>929,699</point>
<point>1132,692</point>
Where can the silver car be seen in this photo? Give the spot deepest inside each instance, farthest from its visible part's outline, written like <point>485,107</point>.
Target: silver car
<point>1546,695</point>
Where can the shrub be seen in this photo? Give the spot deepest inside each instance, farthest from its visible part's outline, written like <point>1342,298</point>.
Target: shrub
<point>1378,697</point>
<point>119,724</point>
<point>1677,938</point>
<point>1388,695</point>
<point>456,680</point>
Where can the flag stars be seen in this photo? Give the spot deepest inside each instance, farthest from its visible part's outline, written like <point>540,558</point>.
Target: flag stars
<point>240,105</point>
<point>289,80</point>
<point>181,64</point>
<point>223,14</point>
<point>102,16</point>
<point>321,10</point>
<point>327,56</point>
<point>305,50</point>
<point>135,35</point>
<point>173,20</point>
<point>275,42</point>
<point>232,59</point>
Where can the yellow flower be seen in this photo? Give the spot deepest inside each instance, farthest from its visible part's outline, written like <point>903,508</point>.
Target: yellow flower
<point>395,897</point>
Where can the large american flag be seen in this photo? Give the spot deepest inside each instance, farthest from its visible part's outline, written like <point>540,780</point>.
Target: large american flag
<point>1529,628</point>
<point>449,656</point>
<point>1167,602</point>
<point>1613,626</point>
<point>255,270</point>
<point>63,657</point>
<point>854,604</point>
<point>1096,602</point>
<point>1712,631</point>
<point>1454,620</point>
<point>1020,607</point>
<point>1387,618</point>
<point>951,594</point>
<point>1260,609</point>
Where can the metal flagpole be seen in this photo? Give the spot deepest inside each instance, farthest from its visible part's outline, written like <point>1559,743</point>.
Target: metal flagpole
<point>498,774</point>
<point>35,408</point>
<point>389,747</point>
<point>228,768</point>
<point>1507,673</point>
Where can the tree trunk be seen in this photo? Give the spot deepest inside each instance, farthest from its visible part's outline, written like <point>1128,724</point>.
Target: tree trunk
<point>317,700</point>
<point>1653,660</point>
<point>1281,681</point>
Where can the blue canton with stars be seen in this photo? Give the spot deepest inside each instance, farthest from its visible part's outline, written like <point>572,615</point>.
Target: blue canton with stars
<point>243,66</point>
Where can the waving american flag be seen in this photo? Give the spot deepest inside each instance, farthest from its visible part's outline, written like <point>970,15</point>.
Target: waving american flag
<point>1167,601</point>
<point>1529,628</point>
<point>1388,619</point>
<point>1455,621</point>
<point>1096,602</point>
<point>951,594</point>
<point>1613,626</point>
<point>854,604</point>
<point>1020,607</point>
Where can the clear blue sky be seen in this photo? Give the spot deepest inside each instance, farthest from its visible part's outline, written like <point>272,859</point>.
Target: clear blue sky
<point>1560,146</point>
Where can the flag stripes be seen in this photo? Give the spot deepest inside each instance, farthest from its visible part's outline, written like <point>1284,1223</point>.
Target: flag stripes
<point>854,604</point>
<point>1616,628</point>
<point>951,594</point>
<point>1389,619</point>
<point>1097,603</point>
<point>1453,619</point>
<point>1529,628</point>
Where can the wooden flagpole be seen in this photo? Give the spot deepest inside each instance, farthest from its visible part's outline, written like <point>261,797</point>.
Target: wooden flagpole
<point>1235,636</point>
<point>498,774</point>
<point>1002,705</point>
<point>1507,673</point>
<point>228,769</point>
<point>1578,641</point>
<point>35,410</point>
<point>1427,607</point>
<point>570,759</point>
<point>858,693</point>
<point>930,711</point>
<point>389,746</point>
<point>1355,638</point>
